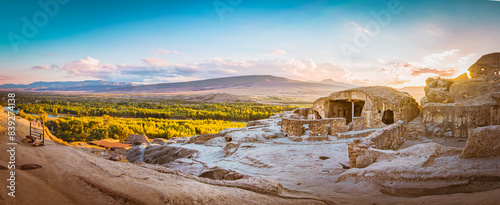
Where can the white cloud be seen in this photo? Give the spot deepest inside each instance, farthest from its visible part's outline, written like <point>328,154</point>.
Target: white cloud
<point>278,51</point>
<point>166,52</point>
<point>219,62</point>
<point>155,61</point>
<point>435,58</point>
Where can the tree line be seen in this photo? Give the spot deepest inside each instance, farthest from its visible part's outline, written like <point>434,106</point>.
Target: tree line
<point>97,128</point>
<point>220,111</point>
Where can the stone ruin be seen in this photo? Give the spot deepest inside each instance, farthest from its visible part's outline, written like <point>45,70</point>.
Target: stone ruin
<point>352,110</point>
<point>487,67</point>
<point>460,108</point>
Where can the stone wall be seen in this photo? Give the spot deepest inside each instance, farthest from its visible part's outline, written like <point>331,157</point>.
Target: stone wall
<point>483,142</point>
<point>391,137</point>
<point>359,123</point>
<point>323,127</point>
<point>454,120</point>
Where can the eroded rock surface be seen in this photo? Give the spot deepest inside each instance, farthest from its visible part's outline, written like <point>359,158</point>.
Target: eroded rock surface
<point>483,142</point>
<point>157,154</point>
<point>136,139</point>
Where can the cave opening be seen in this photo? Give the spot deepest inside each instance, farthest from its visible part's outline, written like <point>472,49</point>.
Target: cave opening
<point>388,117</point>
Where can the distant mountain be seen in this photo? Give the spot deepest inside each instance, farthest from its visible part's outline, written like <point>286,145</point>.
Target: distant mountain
<point>331,82</point>
<point>85,86</point>
<point>251,85</point>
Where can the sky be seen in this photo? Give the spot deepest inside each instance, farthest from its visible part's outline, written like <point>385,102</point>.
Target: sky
<point>393,43</point>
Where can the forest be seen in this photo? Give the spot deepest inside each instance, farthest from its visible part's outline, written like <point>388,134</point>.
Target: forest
<point>97,128</point>
<point>88,119</point>
<point>219,111</point>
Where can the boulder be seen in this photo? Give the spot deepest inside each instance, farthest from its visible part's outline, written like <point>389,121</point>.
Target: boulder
<point>37,143</point>
<point>483,142</point>
<point>136,139</point>
<point>136,153</point>
<point>218,173</point>
<point>156,154</point>
<point>439,96</point>
<point>159,141</point>
<point>461,78</point>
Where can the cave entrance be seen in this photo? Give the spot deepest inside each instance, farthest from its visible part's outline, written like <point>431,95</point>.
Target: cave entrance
<point>345,108</point>
<point>388,117</point>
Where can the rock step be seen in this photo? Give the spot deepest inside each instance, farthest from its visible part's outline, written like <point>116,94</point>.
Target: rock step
<point>356,134</point>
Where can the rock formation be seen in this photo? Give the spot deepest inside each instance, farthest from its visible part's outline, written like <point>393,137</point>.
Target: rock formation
<point>487,67</point>
<point>483,142</point>
<point>137,139</point>
<point>452,107</point>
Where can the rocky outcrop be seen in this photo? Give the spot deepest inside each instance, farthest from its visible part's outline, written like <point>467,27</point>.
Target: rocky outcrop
<point>159,141</point>
<point>136,139</point>
<point>483,142</point>
<point>218,173</point>
<point>156,154</point>
<point>452,107</point>
<point>437,90</point>
<point>487,67</point>
<point>200,139</point>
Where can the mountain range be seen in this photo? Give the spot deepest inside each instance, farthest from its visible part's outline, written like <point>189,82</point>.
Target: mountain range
<point>251,85</point>
<point>82,86</point>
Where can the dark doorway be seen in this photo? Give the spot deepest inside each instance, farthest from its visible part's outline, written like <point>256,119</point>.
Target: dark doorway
<point>316,115</point>
<point>358,108</point>
<point>388,117</point>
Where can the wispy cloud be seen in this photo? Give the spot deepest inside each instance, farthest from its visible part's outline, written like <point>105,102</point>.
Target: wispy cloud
<point>445,64</point>
<point>51,54</point>
<point>437,57</point>
<point>152,69</point>
<point>278,51</point>
<point>43,67</point>
<point>465,59</point>
<point>359,28</point>
<point>155,61</point>
<point>409,69</point>
<point>166,52</point>
<point>5,77</point>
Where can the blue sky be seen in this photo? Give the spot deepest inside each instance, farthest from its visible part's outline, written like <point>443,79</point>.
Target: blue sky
<point>172,40</point>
